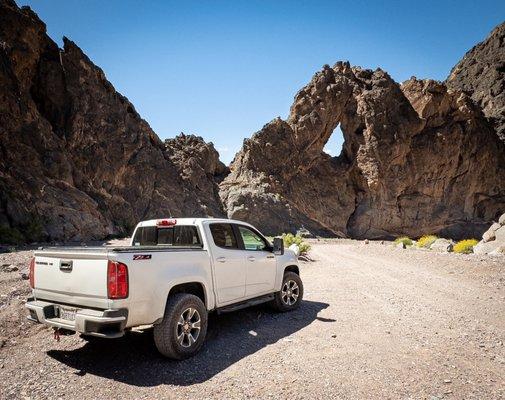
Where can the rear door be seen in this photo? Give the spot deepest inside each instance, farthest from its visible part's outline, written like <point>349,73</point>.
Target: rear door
<point>229,263</point>
<point>261,264</point>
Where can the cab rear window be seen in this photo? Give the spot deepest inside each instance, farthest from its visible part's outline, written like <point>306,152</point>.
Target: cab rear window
<point>170,236</point>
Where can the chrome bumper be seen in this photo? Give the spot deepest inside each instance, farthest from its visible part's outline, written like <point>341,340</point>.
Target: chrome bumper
<point>101,323</point>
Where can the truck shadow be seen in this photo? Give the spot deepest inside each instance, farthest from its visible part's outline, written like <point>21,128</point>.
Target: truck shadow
<point>134,359</point>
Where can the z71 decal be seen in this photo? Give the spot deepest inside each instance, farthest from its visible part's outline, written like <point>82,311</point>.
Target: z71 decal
<point>141,257</point>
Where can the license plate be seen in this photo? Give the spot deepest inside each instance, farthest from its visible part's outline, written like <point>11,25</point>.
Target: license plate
<point>67,313</point>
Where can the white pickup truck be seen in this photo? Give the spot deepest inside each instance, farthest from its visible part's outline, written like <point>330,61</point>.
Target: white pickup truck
<point>174,272</point>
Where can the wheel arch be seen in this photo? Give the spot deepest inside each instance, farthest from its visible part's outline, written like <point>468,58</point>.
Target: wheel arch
<point>195,288</point>
<point>292,268</point>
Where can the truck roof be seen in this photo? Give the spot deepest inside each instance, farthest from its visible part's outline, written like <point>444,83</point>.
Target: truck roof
<point>191,221</point>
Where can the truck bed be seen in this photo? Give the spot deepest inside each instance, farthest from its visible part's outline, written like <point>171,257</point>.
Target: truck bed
<point>78,275</point>
<point>101,251</point>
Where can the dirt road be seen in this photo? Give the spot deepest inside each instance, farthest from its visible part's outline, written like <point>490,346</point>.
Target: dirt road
<point>377,322</point>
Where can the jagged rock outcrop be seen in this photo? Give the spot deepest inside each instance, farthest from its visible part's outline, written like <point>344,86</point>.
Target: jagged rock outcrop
<point>417,158</point>
<point>199,166</point>
<point>481,73</point>
<point>76,160</point>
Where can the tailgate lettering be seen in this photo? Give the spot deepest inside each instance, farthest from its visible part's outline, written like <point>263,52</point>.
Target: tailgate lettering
<point>142,257</point>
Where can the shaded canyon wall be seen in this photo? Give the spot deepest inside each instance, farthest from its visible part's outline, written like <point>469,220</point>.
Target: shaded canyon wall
<point>77,162</point>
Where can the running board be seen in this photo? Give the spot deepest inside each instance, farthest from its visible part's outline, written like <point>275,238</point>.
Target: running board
<point>246,303</point>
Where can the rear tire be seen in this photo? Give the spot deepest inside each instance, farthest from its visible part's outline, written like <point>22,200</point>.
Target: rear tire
<point>291,294</point>
<point>182,331</point>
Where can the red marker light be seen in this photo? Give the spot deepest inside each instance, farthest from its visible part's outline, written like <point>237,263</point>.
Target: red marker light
<point>32,273</point>
<point>166,222</point>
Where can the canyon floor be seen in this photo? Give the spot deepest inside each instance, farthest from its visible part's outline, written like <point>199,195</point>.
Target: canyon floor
<point>377,322</point>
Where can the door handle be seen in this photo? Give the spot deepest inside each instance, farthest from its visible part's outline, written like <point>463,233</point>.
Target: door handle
<point>221,259</point>
<point>251,258</point>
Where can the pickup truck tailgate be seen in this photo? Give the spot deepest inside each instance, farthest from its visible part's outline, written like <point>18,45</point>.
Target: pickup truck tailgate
<point>74,278</point>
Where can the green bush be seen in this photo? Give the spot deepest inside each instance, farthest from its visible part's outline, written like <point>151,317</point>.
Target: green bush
<point>465,246</point>
<point>289,239</point>
<point>405,240</point>
<point>426,241</point>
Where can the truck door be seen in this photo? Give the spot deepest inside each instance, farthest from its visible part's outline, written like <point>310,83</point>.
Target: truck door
<point>229,263</point>
<point>261,265</point>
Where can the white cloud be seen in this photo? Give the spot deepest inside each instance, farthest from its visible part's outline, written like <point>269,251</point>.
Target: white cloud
<point>223,149</point>
<point>327,150</point>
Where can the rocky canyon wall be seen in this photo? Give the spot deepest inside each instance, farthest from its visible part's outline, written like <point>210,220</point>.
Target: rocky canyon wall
<point>481,73</point>
<point>76,159</point>
<point>77,162</point>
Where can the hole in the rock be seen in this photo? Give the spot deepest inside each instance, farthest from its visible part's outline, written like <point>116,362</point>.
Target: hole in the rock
<point>333,146</point>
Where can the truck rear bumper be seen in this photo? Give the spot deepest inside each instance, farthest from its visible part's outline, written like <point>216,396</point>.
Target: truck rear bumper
<point>102,323</point>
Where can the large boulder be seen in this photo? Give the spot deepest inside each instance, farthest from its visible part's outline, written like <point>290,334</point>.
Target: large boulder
<point>490,234</point>
<point>442,245</point>
<point>493,240</point>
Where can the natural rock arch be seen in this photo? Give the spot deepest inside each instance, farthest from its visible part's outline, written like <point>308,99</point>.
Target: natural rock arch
<point>407,163</point>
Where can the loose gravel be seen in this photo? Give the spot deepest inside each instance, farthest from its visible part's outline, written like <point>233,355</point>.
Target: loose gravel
<point>377,322</point>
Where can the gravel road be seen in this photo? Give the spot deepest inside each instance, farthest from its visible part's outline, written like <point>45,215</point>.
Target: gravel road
<point>377,322</point>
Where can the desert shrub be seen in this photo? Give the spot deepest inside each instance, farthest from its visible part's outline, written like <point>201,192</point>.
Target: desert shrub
<point>426,240</point>
<point>289,239</point>
<point>405,240</point>
<point>465,246</point>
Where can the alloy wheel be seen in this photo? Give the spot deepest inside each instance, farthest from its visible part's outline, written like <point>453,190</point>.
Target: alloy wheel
<point>188,327</point>
<point>290,292</point>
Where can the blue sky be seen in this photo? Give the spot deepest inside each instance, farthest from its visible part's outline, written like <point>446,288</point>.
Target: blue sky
<point>222,69</point>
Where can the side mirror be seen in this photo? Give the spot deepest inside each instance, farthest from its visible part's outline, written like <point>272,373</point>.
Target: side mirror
<point>278,246</point>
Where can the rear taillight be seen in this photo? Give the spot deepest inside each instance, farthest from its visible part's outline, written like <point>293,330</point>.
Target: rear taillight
<point>117,280</point>
<point>32,272</point>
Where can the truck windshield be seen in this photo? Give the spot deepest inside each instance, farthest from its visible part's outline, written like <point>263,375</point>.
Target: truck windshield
<point>182,235</point>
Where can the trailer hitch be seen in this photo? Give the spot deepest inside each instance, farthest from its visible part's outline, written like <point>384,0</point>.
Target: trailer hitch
<point>62,332</point>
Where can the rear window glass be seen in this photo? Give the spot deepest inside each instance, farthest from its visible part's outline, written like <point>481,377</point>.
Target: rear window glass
<point>171,236</point>
<point>223,236</point>
<point>146,236</point>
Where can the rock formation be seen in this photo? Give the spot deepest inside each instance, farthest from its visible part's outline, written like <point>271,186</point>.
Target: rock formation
<point>481,73</point>
<point>77,161</point>
<point>417,158</point>
<point>493,240</point>
<point>199,166</point>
